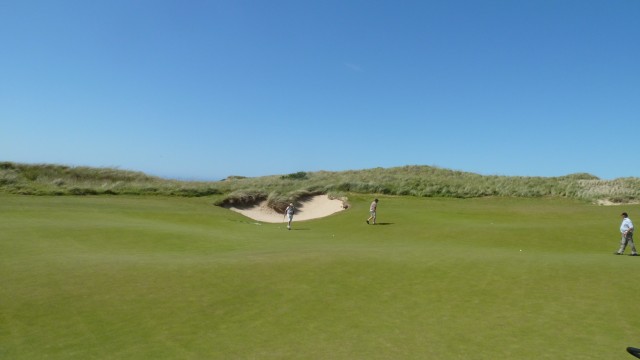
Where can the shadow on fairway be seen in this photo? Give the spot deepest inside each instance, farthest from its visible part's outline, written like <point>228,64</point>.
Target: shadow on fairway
<point>634,351</point>
<point>382,224</point>
<point>246,222</point>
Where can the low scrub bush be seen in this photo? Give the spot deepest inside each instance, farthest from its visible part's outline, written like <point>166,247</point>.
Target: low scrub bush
<point>300,175</point>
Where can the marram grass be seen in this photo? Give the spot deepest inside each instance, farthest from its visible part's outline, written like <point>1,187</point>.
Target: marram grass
<point>420,181</point>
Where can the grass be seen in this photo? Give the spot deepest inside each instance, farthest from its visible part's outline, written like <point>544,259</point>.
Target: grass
<point>280,190</point>
<point>131,277</point>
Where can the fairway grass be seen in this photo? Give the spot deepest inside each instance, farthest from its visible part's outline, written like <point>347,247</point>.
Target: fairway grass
<point>119,277</point>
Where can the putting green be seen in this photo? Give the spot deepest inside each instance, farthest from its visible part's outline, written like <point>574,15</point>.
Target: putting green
<point>164,278</point>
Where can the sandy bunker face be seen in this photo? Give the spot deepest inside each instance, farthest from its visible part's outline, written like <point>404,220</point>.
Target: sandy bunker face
<point>315,207</point>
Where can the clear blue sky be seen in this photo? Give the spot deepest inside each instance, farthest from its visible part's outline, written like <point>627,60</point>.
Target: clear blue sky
<point>201,90</point>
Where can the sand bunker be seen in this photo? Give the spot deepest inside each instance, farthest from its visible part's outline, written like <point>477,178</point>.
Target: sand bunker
<point>607,202</point>
<point>313,208</point>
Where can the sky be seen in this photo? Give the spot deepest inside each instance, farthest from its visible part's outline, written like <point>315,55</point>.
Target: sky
<point>202,90</point>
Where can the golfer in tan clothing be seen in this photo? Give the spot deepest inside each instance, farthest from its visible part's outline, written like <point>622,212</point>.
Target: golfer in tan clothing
<point>372,211</point>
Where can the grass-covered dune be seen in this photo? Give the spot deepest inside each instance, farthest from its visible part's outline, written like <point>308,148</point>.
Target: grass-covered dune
<point>50,179</point>
<point>167,277</point>
<point>420,181</point>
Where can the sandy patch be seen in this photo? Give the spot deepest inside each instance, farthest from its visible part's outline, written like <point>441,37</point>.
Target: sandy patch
<point>313,208</point>
<point>607,202</point>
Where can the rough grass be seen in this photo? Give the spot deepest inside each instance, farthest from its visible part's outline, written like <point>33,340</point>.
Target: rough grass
<point>420,181</point>
<point>45,179</point>
<point>130,277</point>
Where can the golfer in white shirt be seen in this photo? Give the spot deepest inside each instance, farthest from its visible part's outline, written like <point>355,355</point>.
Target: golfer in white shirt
<point>288,212</point>
<point>626,229</point>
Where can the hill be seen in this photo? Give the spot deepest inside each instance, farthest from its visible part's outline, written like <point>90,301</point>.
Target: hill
<point>421,181</point>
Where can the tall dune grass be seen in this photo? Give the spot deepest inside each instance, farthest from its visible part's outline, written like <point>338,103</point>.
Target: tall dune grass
<point>420,181</point>
<point>45,179</point>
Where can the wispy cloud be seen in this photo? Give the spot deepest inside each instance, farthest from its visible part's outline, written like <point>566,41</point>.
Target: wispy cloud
<point>354,67</point>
